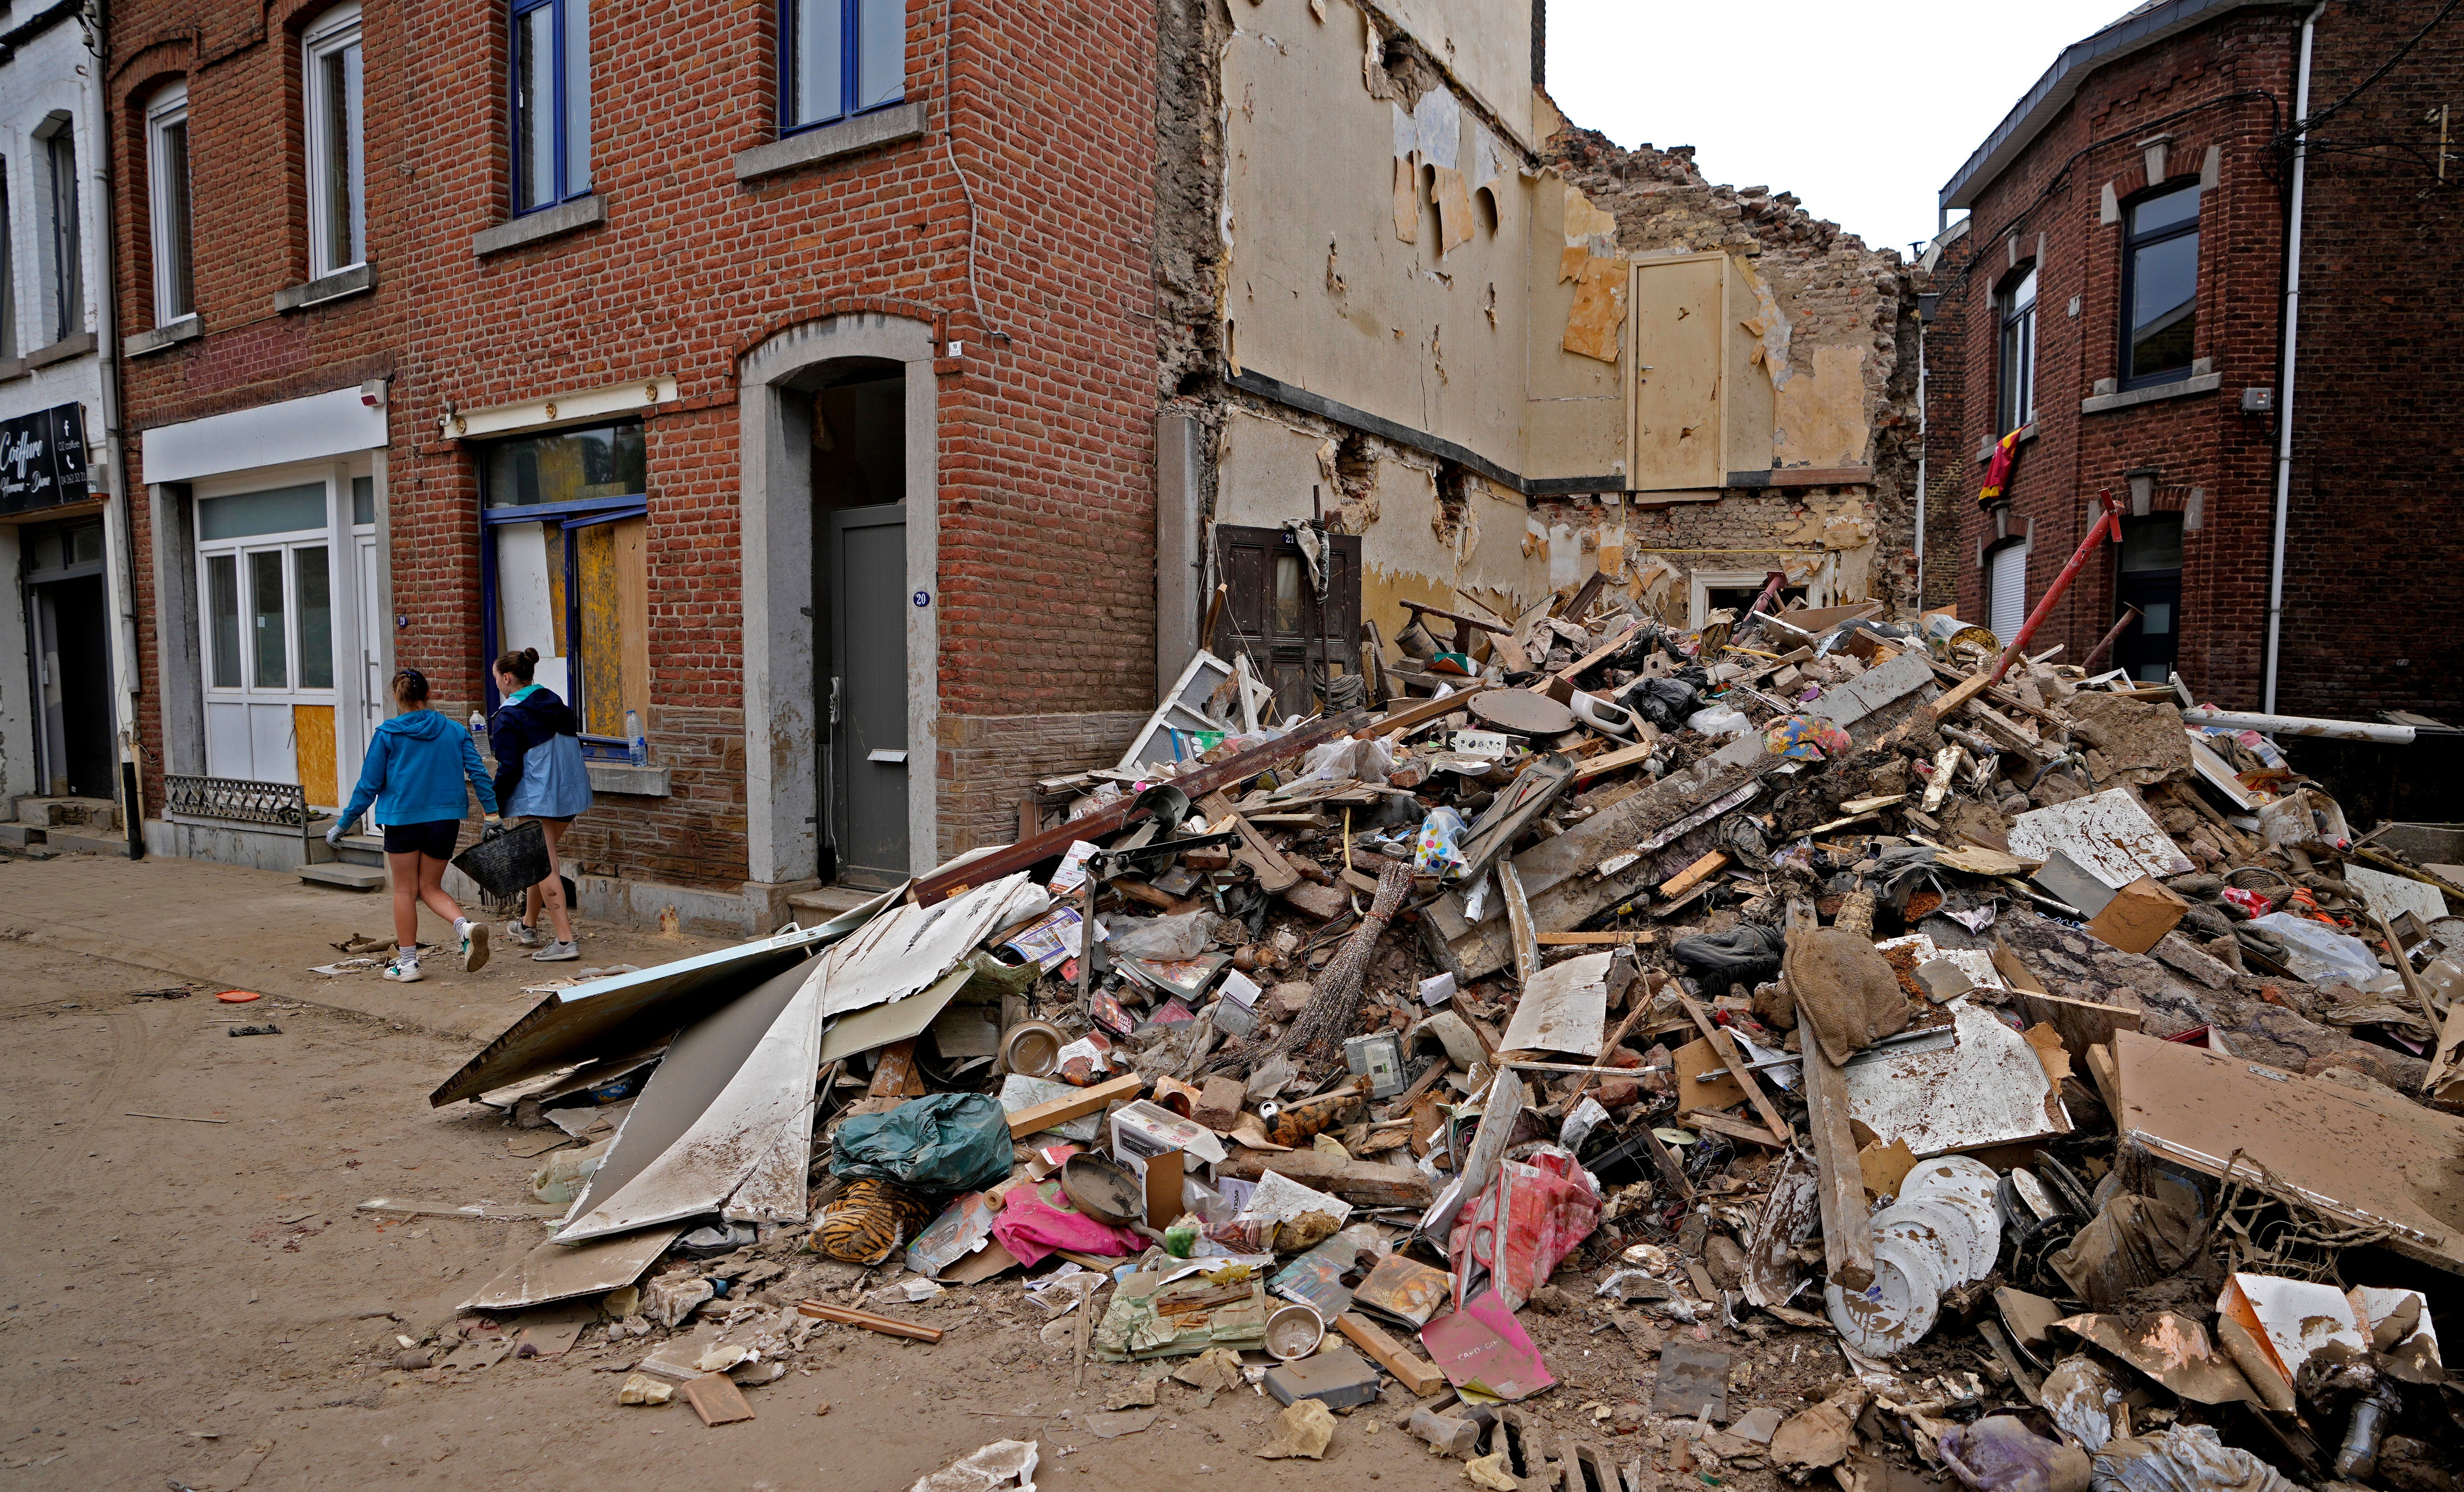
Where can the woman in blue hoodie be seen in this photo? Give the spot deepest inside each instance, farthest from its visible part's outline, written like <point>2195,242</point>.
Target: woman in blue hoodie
<point>414,772</point>
<point>539,775</point>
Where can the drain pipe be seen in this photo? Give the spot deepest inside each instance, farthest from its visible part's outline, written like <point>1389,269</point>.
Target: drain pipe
<point>1923,494</point>
<point>2292,345</point>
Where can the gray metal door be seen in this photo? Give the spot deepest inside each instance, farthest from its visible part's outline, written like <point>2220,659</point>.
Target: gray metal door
<point>868,744</point>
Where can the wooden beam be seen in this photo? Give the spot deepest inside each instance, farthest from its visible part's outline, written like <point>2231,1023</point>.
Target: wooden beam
<point>1053,842</point>
<point>1587,660</point>
<point>1727,1046</point>
<point>1085,1101</point>
<point>848,1315</point>
<point>1958,694</point>
<point>1693,875</point>
<point>1847,1230</point>
<point>1518,922</point>
<point>1413,1372</point>
<point>1729,1124</point>
<point>1420,712</point>
<point>1618,759</point>
<point>1364,1183</point>
<point>1425,610</point>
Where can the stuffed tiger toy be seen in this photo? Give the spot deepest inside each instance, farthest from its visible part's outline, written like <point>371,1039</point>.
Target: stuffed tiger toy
<point>870,1221</point>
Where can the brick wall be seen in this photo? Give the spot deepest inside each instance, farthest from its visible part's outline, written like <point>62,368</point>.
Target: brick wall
<point>996,756</point>
<point>1045,598</point>
<point>2373,451</point>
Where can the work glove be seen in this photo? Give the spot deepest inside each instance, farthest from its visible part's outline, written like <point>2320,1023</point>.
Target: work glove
<point>334,835</point>
<point>492,827</point>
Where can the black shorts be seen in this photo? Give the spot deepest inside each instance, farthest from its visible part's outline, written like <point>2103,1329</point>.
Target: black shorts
<point>434,840</point>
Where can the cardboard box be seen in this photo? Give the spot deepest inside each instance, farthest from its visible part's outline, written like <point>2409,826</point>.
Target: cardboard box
<point>2138,915</point>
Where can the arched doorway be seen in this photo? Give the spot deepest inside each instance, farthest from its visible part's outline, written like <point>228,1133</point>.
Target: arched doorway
<point>840,597</point>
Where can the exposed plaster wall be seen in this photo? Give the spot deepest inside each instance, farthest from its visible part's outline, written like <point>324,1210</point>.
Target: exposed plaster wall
<point>1373,226</point>
<point>1839,340</point>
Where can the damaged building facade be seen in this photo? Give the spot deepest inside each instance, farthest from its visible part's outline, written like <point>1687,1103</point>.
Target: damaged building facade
<point>870,436</point>
<point>1495,354</point>
<point>2119,305</point>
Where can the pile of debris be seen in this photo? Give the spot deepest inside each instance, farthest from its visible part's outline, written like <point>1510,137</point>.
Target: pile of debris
<point>2045,1042</point>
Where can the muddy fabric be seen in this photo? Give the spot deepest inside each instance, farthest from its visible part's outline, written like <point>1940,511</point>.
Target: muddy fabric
<point>2131,1242</point>
<point>1844,990</point>
<point>2182,1459</point>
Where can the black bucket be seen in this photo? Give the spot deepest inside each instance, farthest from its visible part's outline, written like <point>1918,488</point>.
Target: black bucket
<point>505,864</point>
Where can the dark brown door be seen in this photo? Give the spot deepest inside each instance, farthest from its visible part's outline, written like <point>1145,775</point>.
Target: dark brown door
<point>1295,640</point>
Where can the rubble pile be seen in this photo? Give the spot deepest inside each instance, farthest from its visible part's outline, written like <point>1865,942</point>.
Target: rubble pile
<point>2051,1059</point>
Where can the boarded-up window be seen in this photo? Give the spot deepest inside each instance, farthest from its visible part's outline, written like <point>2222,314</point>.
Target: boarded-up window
<point>567,569</point>
<point>1297,631</point>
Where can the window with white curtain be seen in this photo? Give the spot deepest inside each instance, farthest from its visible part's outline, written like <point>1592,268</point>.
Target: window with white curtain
<point>336,164</point>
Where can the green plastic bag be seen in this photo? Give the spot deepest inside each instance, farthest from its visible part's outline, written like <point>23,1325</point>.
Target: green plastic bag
<point>949,1142</point>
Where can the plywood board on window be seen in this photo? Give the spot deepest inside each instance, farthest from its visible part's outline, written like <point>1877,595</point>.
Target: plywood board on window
<point>312,727</point>
<point>633,612</point>
<point>1752,403</point>
<point>603,633</point>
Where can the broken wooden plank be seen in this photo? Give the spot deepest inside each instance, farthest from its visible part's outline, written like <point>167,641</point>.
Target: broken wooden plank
<point>1727,1046</point>
<point>1413,1372</point>
<point>1518,922</point>
<point>1053,842</point>
<point>1959,694</point>
<point>1364,1183</point>
<point>850,1316</point>
<point>1732,1126</point>
<point>1690,877</point>
<point>1571,671</point>
<point>715,1398</point>
<point>1847,1232</point>
<point>1624,937</point>
<point>1619,760</point>
<point>1275,874</point>
<point>1421,712</point>
<point>1085,1101</point>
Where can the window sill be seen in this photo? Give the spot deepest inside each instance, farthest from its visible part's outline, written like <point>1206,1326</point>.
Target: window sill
<point>138,344</point>
<point>2201,384</point>
<point>13,369</point>
<point>61,351</point>
<point>829,141</point>
<point>2027,433</point>
<point>340,285</point>
<point>626,779</point>
<point>546,223</point>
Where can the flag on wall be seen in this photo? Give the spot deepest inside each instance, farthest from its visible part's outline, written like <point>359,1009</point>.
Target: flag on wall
<point>1997,473</point>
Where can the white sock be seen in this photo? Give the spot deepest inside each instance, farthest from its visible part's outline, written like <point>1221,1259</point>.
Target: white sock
<point>461,927</point>
<point>409,952</point>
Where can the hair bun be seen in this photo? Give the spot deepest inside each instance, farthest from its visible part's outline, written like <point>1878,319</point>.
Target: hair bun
<point>530,655</point>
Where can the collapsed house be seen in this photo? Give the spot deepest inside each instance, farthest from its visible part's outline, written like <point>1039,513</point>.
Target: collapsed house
<point>1424,324</point>
<point>2040,1044</point>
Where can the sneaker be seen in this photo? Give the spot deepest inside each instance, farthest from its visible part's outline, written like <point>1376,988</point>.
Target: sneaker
<point>558,952</point>
<point>474,948</point>
<point>522,933</point>
<point>403,971</point>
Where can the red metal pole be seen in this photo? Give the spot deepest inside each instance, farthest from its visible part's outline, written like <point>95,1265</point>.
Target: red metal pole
<point>2112,514</point>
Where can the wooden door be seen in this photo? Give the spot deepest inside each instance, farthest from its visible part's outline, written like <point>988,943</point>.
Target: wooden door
<point>1273,613</point>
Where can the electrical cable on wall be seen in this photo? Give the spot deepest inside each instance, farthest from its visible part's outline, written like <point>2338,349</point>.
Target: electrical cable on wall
<point>949,134</point>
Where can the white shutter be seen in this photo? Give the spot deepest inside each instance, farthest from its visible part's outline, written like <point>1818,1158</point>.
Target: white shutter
<point>2007,592</point>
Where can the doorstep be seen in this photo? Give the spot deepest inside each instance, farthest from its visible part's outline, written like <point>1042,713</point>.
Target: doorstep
<point>69,842</point>
<point>831,899</point>
<point>348,876</point>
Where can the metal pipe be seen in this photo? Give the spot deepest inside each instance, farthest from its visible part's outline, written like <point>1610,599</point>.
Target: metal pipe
<point>2303,725</point>
<point>2112,514</point>
<point>2292,347</point>
<point>2129,614</point>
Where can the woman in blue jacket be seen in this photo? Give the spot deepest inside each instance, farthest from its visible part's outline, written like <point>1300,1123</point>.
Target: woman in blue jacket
<point>539,775</point>
<point>416,767</point>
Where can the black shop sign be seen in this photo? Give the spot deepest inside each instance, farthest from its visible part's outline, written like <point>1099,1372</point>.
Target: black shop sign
<point>42,459</point>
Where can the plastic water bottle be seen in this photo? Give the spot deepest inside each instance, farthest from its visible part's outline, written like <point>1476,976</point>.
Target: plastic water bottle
<point>478,725</point>
<point>636,747</point>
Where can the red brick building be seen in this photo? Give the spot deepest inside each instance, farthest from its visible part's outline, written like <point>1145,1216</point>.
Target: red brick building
<point>2120,294</point>
<point>784,374</point>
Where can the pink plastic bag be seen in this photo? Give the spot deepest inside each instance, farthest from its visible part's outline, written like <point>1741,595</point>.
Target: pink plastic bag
<point>1533,1214</point>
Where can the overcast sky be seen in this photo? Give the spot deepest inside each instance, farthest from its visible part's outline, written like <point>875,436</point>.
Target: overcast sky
<point>1862,108</point>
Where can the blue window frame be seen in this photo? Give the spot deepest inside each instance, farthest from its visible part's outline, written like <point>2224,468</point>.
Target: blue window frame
<point>549,68</point>
<point>550,512</point>
<point>839,58</point>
